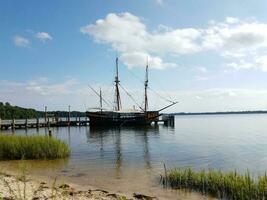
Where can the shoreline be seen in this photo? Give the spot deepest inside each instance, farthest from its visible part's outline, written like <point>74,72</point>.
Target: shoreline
<point>21,186</point>
<point>36,178</point>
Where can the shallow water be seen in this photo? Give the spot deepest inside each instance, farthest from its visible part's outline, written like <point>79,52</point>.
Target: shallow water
<point>131,159</point>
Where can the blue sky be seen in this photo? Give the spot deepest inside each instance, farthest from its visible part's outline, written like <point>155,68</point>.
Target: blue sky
<point>209,55</point>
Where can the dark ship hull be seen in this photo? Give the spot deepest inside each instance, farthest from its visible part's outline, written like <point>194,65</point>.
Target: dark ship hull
<point>111,118</point>
<point>119,117</point>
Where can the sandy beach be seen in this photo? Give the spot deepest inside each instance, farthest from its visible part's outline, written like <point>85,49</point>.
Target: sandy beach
<point>13,187</point>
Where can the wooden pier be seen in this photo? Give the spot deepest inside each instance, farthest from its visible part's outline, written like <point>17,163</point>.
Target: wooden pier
<point>43,122</point>
<point>167,120</point>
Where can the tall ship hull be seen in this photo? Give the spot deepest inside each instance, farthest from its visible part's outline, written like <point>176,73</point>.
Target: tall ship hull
<point>106,118</point>
<point>118,116</point>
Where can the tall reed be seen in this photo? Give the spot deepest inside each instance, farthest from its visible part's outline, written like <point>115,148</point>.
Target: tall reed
<point>229,185</point>
<point>13,147</point>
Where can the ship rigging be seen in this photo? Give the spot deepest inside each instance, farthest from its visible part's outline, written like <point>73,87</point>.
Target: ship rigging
<point>120,117</point>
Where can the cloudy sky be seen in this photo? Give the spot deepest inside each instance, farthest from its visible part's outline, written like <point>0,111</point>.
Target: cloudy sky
<point>208,55</point>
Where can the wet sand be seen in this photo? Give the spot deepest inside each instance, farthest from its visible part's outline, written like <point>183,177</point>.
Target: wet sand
<point>23,187</point>
<point>78,188</point>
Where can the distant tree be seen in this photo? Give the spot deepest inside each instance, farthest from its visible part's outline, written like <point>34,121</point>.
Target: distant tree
<point>7,111</point>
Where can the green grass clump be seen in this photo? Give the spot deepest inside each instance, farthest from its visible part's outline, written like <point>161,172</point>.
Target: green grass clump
<point>13,147</point>
<point>229,185</point>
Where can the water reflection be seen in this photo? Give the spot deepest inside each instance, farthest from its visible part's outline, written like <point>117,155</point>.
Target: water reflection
<point>118,153</point>
<point>69,136</point>
<point>103,136</point>
<point>145,141</point>
<point>130,159</point>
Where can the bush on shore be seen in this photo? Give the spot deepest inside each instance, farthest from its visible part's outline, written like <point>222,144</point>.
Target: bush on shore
<point>13,147</point>
<point>229,185</point>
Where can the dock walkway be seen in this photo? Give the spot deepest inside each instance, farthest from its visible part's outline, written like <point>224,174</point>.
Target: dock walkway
<point>167,120</point>
<point>43,122</point>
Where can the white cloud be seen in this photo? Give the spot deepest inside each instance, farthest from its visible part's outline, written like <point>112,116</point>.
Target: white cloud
<point>43,36</point>
<point>262,62</point>
<point>41,87</point>
<point>231,20</point>
<point>223,99</point>
<point>160,2</point>
<point>199,97</point>
<point>202,78</point>
<point>238,37</point>
<point>233,39</point>
<point>202,69</point>
<point>238,55</point>
<point>41,92</point>
<point>257,62</point>
<point>21,41</point>
<point>241,64</point>
<point>242,43</point>
<point>137,59</point>
<point>129,35</point>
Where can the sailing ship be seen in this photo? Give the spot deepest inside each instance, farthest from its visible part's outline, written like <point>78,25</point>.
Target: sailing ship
<point>119,117</point>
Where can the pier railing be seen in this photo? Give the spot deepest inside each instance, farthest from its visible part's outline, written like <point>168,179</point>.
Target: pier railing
<point>43,122</point>
<point>167,120</point>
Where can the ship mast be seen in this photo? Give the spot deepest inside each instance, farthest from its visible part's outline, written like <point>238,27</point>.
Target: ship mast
<point>101,100</point>
<point>146,85</point>
<point>117,92</point>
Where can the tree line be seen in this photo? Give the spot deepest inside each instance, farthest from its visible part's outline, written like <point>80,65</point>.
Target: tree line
<point>8,111</point>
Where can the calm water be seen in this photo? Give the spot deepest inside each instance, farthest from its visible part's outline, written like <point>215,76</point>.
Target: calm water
<point>130,160</point>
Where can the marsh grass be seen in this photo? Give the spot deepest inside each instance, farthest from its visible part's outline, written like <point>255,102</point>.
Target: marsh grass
<point>13,147</point>
<point>229,185</point>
